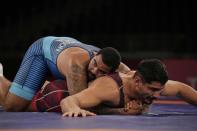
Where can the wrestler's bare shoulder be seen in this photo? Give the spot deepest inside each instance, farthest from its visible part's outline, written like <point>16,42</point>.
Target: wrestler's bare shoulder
<point>72,57</point>
<point>73,52</point>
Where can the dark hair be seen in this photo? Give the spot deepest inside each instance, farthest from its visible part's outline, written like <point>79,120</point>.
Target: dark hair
<point>153,70</point>
<point>111,57</point>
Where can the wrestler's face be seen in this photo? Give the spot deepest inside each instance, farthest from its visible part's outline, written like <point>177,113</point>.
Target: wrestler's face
<point>146,89</point>
<point>97,68</point>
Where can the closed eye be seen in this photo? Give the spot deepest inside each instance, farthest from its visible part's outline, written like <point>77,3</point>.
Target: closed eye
<point>155,89</point>
<point>103,72</point>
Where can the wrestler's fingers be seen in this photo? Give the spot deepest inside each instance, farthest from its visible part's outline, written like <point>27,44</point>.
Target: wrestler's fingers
<point>90,113</point>
<point>68,114</point>
<point>76,114</point>
<point>83,113</point>
<point>71,114</point>
<point>134,104</point>
<point>129,105</point>
<point>65,114</point>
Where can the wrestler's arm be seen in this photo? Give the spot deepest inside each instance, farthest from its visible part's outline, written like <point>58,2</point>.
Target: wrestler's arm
<point>101,90</point>
<point>131,108</point>
<point>76,73</point>
<point>103,110</point>
<point>184,91</point>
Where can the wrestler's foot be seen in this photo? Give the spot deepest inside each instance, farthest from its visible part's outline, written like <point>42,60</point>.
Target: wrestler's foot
<point>3,84</point>
<point>1,69</point>
<point>1,76</point>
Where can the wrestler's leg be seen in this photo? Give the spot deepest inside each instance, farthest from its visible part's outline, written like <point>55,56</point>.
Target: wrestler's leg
<point>5,85</point>
<point>30,76</point>
<point>26,84</point>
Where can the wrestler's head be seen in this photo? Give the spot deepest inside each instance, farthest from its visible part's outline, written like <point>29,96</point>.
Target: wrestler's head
<point>150,77</point>
<point>105,61</point>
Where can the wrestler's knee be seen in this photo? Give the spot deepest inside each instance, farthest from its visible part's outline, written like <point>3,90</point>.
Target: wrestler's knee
<point>15,103</point>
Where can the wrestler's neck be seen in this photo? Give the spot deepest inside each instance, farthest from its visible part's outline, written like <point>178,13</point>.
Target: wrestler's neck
<point>128,84</point>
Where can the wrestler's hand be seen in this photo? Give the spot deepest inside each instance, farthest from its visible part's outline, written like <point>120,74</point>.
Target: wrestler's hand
<point>133,105</point>
<point>77,113</point>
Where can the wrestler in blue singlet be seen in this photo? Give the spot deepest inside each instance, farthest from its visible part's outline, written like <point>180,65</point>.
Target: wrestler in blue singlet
<point>41,58</point>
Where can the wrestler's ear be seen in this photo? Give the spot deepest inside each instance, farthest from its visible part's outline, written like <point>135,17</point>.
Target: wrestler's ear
<point>95,53</point>
<point>137,79</point>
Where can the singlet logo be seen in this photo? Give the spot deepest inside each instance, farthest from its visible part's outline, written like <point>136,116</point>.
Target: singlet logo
<point>62,44</point>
